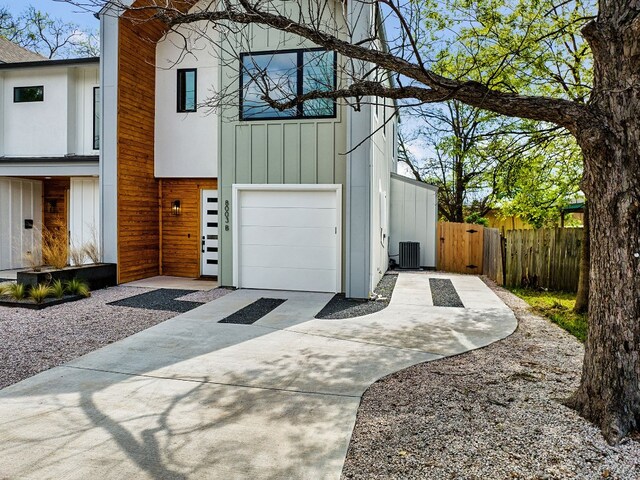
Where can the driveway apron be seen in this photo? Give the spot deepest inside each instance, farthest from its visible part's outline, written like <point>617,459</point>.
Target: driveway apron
<point>194,398</point>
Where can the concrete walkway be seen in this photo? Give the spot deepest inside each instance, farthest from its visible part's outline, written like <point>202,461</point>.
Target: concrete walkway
<point>193,398</point>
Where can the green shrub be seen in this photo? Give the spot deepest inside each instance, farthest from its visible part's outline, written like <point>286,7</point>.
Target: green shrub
<point>57,289</point>
<point>17,291</point>
<point>4,289</point>
<point>40,292</point>
<point>478,219</point>
<point>77,287</point>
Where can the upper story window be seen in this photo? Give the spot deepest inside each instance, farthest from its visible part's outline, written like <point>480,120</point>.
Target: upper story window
<point>187,92</point>
<point>96,118</point>
<point>284,75</point>
<point>28,94</point>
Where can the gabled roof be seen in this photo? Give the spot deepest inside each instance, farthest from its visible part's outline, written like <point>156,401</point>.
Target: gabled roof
<point>12,53</point>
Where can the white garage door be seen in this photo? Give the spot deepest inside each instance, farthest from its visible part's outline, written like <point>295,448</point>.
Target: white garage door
<point>288,239</point>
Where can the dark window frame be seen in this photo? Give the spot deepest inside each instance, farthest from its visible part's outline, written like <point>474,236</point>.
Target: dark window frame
<point>181,96</point>
<point>96,135</point>
<point>16,89</point>
<point>300,83</point>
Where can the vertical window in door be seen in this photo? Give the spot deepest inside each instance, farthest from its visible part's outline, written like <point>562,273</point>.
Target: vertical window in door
<point>187,94</point>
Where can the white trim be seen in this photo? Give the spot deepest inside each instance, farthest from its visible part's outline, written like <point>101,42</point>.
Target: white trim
<point>108,184</point>
<point>61,169</point>
<point>238,188</point>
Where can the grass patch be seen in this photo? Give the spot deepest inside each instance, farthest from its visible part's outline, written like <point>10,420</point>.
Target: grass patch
<point>557,307</point>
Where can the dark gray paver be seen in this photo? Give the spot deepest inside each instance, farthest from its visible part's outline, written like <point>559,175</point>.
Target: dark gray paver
<point>161,299</point>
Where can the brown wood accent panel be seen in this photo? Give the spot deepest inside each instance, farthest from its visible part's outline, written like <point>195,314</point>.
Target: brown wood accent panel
<point>138,190</point>
<point>138,224</point>
<point>55,220</point>
<point>181,234</point>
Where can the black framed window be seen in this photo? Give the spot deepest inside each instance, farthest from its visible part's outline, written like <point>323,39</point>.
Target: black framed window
<point>28,94</point>
<point>284,75</point>
<point>96,118</point>
<point>187,90</point>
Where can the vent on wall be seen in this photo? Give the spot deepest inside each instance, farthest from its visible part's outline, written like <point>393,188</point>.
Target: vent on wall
<point>410,255</point>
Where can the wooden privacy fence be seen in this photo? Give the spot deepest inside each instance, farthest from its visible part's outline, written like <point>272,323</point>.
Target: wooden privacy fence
<point>493,251</point>
<point>547,257</point>
<point>460,247</point>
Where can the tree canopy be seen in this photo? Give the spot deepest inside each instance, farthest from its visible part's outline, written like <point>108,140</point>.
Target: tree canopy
<point>50,37</point>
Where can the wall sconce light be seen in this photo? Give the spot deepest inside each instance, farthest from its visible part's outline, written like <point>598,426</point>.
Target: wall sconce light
<point>52,206</point>
<point>176,209</point>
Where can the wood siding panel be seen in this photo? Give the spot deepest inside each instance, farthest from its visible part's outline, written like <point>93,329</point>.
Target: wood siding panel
<point>181,234</point>
<point>56,221</point>
<point>138,220</point>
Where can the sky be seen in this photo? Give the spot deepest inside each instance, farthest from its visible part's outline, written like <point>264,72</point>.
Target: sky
<point>56,9</point>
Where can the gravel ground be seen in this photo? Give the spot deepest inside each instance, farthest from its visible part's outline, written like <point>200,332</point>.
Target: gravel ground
<point>493,413</point>
<point>444,293</point>
<point>341,307</point>
<point>35,340</point>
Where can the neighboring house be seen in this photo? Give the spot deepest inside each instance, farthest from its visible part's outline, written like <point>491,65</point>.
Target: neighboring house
<point>571,215</point>
<point>253,196</point>
<point>12,53</point>
<point>49,145</point>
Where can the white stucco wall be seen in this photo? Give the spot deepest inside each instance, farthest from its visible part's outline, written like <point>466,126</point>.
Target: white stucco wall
<point>60,125</point>
<point>186,144</point>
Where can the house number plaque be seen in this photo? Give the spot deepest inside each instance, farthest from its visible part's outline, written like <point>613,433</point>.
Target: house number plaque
<point>226,215</point>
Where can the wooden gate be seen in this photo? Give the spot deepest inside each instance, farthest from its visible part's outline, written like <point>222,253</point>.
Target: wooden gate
<point>460,247</point>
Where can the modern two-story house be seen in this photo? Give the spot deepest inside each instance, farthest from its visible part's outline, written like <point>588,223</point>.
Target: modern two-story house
<point>49,145</point>
<point>201,177</point>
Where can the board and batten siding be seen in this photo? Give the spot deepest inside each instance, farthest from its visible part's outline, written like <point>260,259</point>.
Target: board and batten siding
<point>414,218</point>
<point>294,151</point>
<point>21,199</point>
<point>84,212</point>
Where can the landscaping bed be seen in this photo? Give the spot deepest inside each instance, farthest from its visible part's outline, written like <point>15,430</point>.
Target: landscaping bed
<point>96,275</point>
<point>35,340</point>
<point>31,304</point>
<point>493,413</point>
<point>341,307</point>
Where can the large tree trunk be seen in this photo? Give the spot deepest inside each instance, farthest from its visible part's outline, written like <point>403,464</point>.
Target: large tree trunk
<point>582,297</point>
<point>609,393</point>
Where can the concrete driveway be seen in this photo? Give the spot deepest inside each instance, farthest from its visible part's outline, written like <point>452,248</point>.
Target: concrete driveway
<point>193,398</point>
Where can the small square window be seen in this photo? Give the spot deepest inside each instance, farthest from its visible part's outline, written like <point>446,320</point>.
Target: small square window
<point>187,98</point>
<point>28,94</point>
